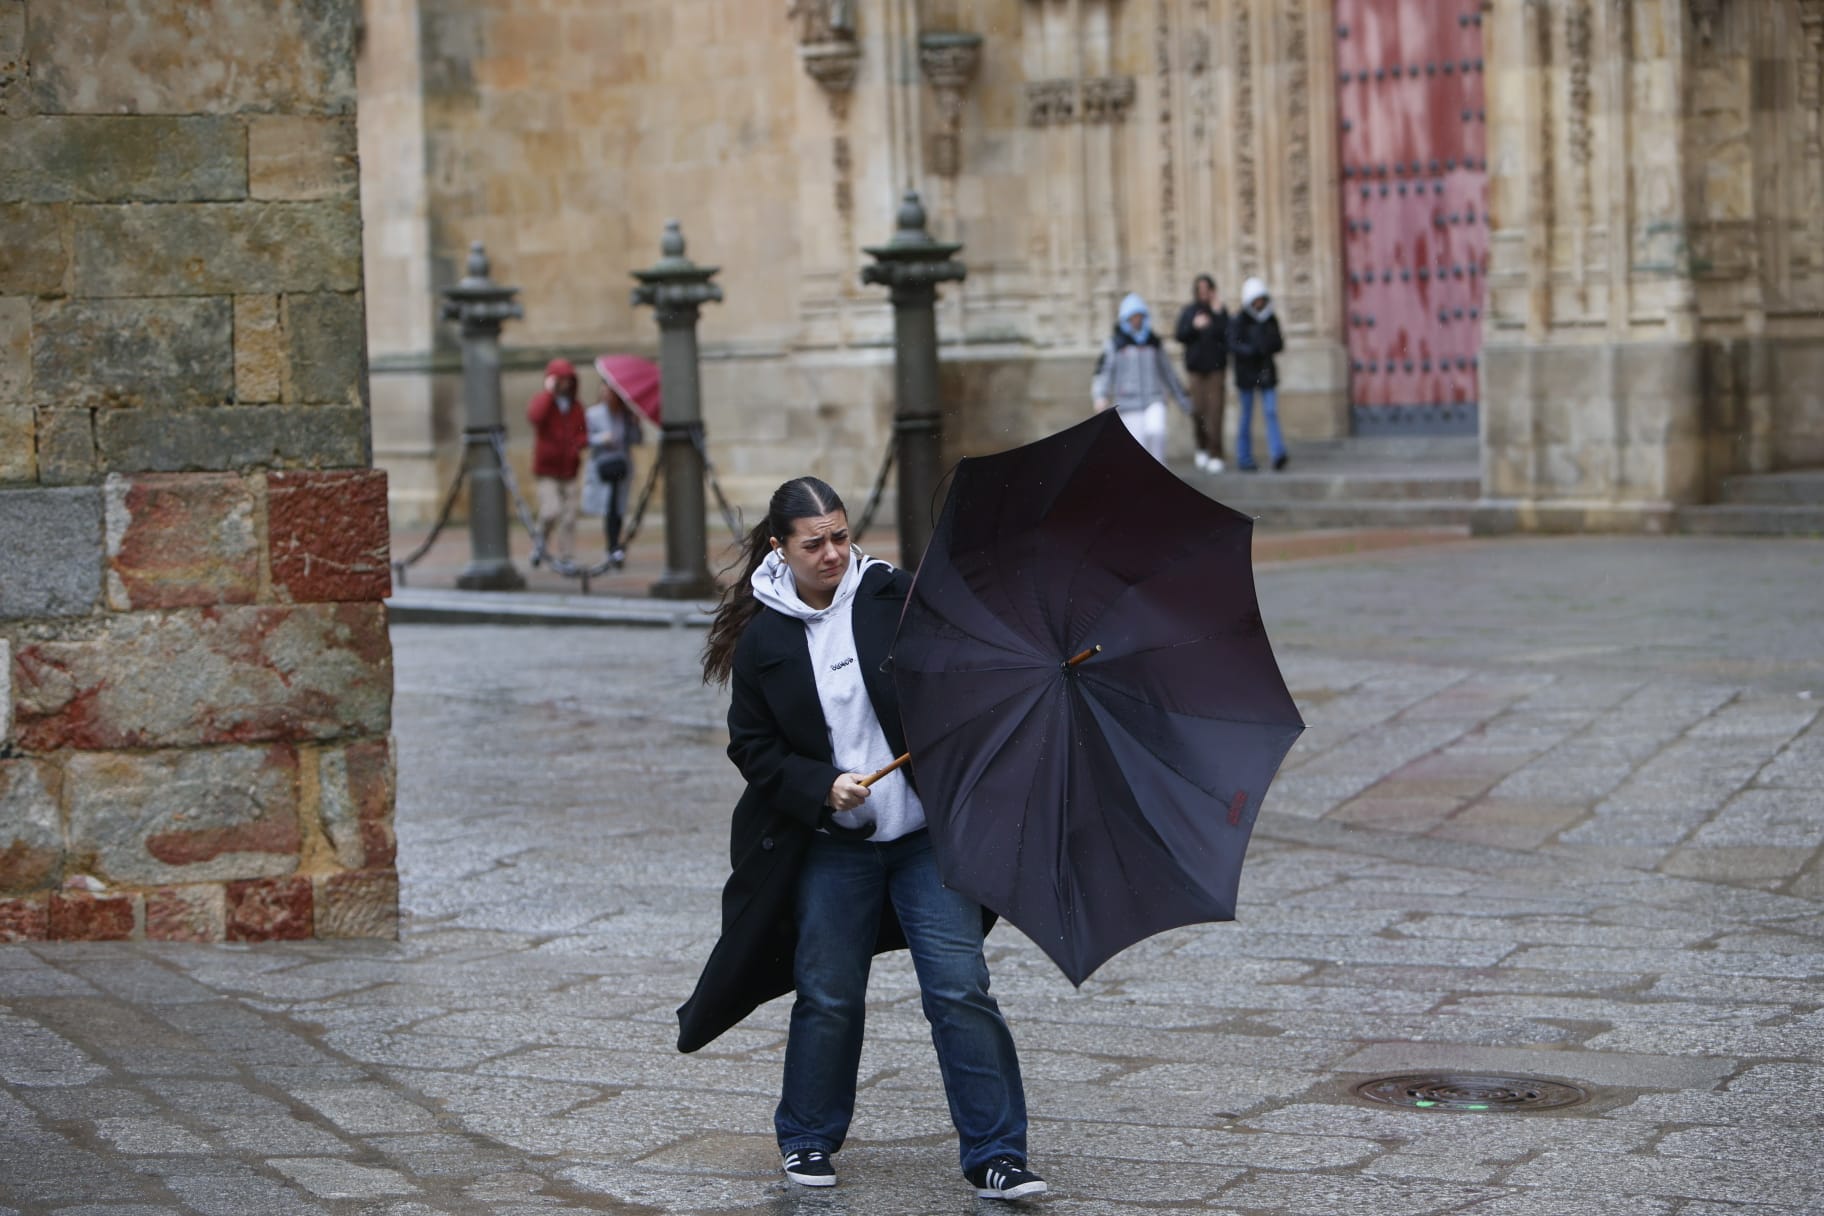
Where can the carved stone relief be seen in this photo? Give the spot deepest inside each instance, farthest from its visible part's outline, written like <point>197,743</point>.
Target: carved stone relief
<point>948,61</point>
<point>1168,175</point>
<point>822,20</point>
<point>1247,178</point>
<point>1101,99</point>
<point>1298,142</point>
<point>1051,103</point>
<point>1704,17</point>
<point>1811,105</point>
<point>1579,138</point>
<point>1107,98</point>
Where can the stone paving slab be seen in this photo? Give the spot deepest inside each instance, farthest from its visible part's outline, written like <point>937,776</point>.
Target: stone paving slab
<point>1514,839</point>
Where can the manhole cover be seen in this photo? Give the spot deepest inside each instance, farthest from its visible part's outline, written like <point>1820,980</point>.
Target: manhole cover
<point>1470,1091</point>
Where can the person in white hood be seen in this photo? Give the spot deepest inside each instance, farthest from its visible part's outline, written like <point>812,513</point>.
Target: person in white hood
<point>1253,341</point>
<point>829,869</point>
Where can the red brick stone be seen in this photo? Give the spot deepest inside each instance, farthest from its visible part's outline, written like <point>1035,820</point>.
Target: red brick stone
<point>195,913</point>
<point>79,917</point>
<point>31,827</point>
<point>25,920</point>
<point>270,910</point>
<point>358,903</point>
<point>275,832</point>
<point>356,790</point>
<point>212,675</point>
<point>180,540</point>
<point>185,816</point>
<point>328,536</point>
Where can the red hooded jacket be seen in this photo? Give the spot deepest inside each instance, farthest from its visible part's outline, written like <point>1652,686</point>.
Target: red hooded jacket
<point>560,436</point>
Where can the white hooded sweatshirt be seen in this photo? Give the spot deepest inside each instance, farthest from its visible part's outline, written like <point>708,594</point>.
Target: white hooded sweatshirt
<point>857,743</point>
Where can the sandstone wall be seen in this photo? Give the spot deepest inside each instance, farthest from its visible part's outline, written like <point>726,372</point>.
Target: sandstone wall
<point>1096,148</point>
<point>195,675</point>
<point>1656,307</point>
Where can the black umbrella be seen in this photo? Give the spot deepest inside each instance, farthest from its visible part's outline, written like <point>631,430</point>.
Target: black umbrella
<point>1090,701</point>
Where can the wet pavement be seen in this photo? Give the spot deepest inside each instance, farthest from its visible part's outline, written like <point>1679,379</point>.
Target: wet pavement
<point>1558,813</point>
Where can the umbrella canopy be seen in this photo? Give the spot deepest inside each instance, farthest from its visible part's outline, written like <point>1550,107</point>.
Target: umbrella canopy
<point>1092,804</point>
<point>635,379</point>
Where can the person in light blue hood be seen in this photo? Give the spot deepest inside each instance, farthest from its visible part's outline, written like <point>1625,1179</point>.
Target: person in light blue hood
<point>1134,375</point>
<point>832,860</point>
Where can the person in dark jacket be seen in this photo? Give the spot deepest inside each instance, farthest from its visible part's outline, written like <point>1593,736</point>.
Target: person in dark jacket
<point>1203,331</point>
<point>559,437</point>
<point>1253,341</point>
<point>831,866</point>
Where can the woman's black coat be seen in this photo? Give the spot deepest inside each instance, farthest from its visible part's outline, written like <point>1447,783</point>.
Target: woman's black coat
<point>1252,345</point>
<point>779,740</point>
<point>1206,349</point>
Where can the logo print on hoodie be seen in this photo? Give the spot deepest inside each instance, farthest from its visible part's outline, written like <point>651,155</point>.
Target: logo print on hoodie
<point>843,664</point>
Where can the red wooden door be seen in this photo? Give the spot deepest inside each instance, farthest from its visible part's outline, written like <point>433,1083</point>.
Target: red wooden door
<point>1413,143</point>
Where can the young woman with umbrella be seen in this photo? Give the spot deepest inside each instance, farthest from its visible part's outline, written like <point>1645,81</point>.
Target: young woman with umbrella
<point>828,870</point>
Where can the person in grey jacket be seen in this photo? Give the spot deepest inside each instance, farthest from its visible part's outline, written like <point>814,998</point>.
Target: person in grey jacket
<point>1134,375</point>
<point>614,429</point>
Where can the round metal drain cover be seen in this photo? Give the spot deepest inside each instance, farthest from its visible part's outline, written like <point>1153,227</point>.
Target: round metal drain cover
<point>1471,1092</point>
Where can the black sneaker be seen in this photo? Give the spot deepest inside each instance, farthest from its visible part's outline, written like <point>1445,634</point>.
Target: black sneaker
<point>809,1167</point>
<point>1005,1178</point>
<point>1279,462</point>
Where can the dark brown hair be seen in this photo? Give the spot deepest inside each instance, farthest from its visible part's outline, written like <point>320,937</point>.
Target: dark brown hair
<point>799,498</point>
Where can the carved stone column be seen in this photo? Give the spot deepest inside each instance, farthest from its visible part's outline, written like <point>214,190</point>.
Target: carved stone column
<point>948,60</point>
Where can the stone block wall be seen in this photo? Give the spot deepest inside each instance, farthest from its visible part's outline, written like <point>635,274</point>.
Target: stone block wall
<point>1656,287</point>
<point>195,673</point>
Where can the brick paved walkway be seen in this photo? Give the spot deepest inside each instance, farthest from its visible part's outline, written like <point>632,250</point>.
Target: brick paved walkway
<point>1558,812</point>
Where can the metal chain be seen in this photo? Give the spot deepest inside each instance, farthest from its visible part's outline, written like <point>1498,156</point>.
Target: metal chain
<point>729,516</point>
<point>880,487</point>
<point>497,443</point>
<point>497,437</point>
<point>639,510</point>
<point>443,517</point>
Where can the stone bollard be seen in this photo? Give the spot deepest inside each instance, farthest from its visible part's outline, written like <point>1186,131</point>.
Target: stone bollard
<point>912,264</point>
<point>482,306</point>
<point>676,288</point>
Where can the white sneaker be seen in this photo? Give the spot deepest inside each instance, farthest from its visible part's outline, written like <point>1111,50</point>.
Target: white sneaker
<point>1214,465</point>
<point>1203,460</point>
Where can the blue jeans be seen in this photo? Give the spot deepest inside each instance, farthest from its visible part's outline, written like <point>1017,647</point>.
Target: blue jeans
<point>1244,436</point>
<point>840,893</point>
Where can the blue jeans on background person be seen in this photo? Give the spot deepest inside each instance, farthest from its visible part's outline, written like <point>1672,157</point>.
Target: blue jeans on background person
<point>1244,437</point>
<point>840,893</point>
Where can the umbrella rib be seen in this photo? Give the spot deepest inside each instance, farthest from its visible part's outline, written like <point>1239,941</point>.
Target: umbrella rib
<point>980,713</point>
<point>971,636</point>
<point>1104,684</point>
<point>1169,564</point>
<point>979,771</point>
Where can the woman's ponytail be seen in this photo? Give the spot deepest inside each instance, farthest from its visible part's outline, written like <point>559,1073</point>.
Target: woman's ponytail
<point>738,606</point>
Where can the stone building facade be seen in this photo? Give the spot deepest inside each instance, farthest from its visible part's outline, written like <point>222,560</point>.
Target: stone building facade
<point>1656,313</point>
<point>195,674</point>
<point>1630,191</point>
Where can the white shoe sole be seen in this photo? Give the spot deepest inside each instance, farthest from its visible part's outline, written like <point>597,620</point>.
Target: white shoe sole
<point>812,1179</point>
<point>1012,1192</point>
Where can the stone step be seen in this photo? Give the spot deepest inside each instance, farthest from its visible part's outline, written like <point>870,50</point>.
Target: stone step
<point>1355,513</point>
<point>1795,487</point>
<point>1750,519</point>
<point>1398,449</point>
<point>1296,486</point>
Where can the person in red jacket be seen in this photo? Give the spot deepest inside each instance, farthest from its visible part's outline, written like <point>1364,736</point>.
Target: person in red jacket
<point>560,438</point>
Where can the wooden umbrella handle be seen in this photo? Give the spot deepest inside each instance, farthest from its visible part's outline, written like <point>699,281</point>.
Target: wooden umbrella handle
<point>883,772</point>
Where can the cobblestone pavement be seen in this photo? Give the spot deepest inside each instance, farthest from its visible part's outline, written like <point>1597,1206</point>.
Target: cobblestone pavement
<point>1558,813</point>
